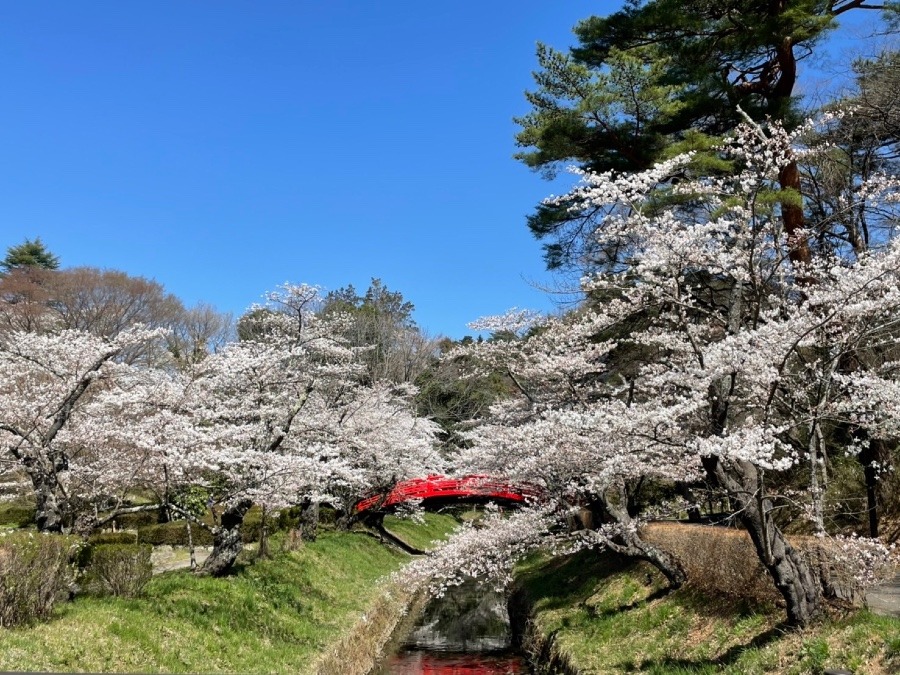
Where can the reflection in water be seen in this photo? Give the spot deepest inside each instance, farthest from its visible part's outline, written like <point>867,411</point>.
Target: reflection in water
<point>465,632</point>
<point>425,663</point>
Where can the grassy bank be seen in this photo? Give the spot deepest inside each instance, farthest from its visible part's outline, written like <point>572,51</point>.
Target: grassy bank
<point>421,535</point>
<point>275,615</point>
<point>612,617</point>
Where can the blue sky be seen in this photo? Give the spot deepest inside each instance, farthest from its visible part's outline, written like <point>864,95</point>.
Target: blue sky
<point>225,147</point>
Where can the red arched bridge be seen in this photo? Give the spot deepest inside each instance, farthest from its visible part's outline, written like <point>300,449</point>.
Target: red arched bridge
<point>444,489</point>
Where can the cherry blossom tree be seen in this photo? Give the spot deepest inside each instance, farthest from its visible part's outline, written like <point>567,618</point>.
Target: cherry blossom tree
<point>486,552</point>
<point>567,430</point>
<point>381,442</point>
<point>742,349</point>
<point>277,419</point>
<point>49,406</point>
<point>285,420</point>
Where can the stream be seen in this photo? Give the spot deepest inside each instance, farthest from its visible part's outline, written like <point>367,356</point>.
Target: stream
<point>465,632</point>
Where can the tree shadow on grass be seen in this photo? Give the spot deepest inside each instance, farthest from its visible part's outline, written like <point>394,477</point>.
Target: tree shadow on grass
<point>610,612</point>
<point>715,664</point>
<point>564,581</point>
<point>572,580</point>
<point>725,605</point>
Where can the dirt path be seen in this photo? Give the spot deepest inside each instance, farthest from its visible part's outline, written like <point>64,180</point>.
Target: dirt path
<point>167,558</point>
<point>884,599</point>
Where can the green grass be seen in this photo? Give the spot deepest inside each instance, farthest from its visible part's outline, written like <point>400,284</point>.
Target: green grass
<point>437,527</point>
<point>274,615</point>
<point>614,617</point>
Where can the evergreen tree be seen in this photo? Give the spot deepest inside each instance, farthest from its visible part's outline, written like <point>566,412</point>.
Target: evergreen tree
<point>660,77</point>
<point>30,253</point>
<point>381,322</point>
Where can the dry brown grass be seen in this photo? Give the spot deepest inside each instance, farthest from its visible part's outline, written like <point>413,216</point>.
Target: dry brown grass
<point>716,559</point>
<point>720,560</point>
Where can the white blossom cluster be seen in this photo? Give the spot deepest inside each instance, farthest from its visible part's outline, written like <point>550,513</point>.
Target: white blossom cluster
<point>867,561</point>
<point>485,551</point>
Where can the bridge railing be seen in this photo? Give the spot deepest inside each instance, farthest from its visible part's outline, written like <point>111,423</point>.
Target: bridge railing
<point>434,487</point>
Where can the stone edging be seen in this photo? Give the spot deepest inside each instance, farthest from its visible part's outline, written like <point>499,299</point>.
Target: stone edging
<point>542,651</point>
<point>361,650</point>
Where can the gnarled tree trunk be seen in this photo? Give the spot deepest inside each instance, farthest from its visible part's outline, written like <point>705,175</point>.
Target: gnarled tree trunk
<point>48,512</point>
<point>309,520</point>
<point>227,543</point>
<point>794,578</point>
<point>628,541</point>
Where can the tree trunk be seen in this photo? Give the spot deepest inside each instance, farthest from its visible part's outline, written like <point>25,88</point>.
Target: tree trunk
<point>344,520</point>
<point>685,492</point>
<point>779,98</point>
<point>263,550</point>
<point>874,451</point>
<point>48,512</point>
<point>309,520</point>
<point>227,542</point>
<point>190,537</point>
<point>630,544</point>
<point>793,218</point>
<point>744,484</point>
<point>794,579</point>
<point>628,541</point>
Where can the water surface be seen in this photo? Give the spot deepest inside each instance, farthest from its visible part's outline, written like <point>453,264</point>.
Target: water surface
<point>466,632</point>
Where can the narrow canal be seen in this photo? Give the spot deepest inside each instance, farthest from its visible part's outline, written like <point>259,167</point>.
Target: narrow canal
<point>465,632</point>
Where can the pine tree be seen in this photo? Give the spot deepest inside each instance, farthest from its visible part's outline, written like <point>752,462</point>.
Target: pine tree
<point>30,253</point>
<point>662,77</point>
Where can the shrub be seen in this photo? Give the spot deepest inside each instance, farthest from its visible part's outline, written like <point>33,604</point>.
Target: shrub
<point>34,574</point>
<point>175,532</point>
<point>113,538</point>
<point>288,519</point>
<point>120,569</point>
<point>275,522</point>
<point>252,525</point>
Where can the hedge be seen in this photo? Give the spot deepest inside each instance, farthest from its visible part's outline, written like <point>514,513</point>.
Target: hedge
<point>18,515</point>
<point>174,534</point>
<point>86,552</point>
<point>133,521</point>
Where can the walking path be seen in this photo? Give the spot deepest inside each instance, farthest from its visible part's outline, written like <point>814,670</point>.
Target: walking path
<point>166,558</point>
<point>884,599</point>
